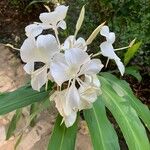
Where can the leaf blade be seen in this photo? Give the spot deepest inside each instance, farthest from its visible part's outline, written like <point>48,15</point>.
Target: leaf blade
<point>102,133</point>
<point>62,138</point>
<point>22,97</point>
<point>141,109</point>
<point>131,52</point>
<point>126,117</point>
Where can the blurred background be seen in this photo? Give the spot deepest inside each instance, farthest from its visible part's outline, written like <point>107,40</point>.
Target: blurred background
<point>129,19</point>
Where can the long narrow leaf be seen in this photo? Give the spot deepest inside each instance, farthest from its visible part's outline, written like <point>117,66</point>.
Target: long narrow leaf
<point>126,117</point>
<point>62,138</point>
<point>102,133</point>
<point>124,88</point>
<point>22,97</point>
<point>13,123</point>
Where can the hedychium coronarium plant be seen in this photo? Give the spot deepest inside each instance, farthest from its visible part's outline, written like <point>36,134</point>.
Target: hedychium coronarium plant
<point>74,81</point>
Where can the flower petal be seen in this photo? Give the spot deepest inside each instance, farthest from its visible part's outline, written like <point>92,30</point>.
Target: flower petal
<point>69,42</point>
<point>47,46</point>
<point>80,43</point>
<point>39,78</point>
<point>104,31</point>
<point>108,50</point>
<point>76,56</point>
<point>72,98</point>
<point>62,24</point>
<point>120,66</point>
<point>61,11</point>
<point>33,30</point>
<point>29,67</point>
<point>92,67</point>
<point>111,37</point>
<point>28,50</point>
<point>69,120</point>
<point>58,72</point>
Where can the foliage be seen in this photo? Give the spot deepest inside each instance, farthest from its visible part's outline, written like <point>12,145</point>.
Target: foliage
<point>118,97</point>
<point>130,19</point>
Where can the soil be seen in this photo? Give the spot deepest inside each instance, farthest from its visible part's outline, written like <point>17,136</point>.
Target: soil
<point>12,23</point>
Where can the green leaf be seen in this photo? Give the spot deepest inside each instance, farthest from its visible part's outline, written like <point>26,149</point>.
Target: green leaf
<point>102,133</point>
<point>134,72</point>
<point>80,20</point>
<point>33,109</point>
<point>131,52</point>
<point>126,117</point>
<point>13,123</point>
<point>18,141</point>
<point>124,88</point>
<point>22,97</point>
<point>63,138</point>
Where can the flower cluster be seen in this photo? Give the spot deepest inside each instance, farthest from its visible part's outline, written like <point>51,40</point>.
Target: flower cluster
<point>73,70</point>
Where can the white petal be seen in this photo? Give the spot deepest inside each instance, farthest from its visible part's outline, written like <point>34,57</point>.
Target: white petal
<point>73,98</point>
<point>88,95</point>
<point>111,37</point>
<point>104,31</point>
<point>108,50</point>
<point>61,11</point>
<point>69,120</point>
<point>58,72</point>
<point>69,42</point>
<point>49,18</point>
<point>92,80</point>
<point>76,56</point>
<point>120,66</point>
<point>28,50</point>
<point>62,24</point>
<point>39,78</point>
<point>60,101</point>
<point>33,30</point>
<point>80,43</point>
<point>47,46</point>
<point>29,67</point>
<point>92,67</point>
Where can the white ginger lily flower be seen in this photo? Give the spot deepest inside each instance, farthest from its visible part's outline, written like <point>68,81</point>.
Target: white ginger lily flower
<point>67,101</point>
<point>71,42</point>
<point>70,67</point>
<point>60,100</point>
<point>89,91</point>
<point>74,63</point>
<point>54,19</point>
<point>107,48</point>
<point>42,50</point>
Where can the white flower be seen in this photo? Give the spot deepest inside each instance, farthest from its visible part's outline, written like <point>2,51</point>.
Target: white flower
<point>69,101</point>
<point>70,66</point>
<point>61,104</point>
<point>42,50</point>
<point>89,92</point>
<point>74,63</point>
<point>108,50</point>
<point>54,19</point>
<point>71,42</point>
